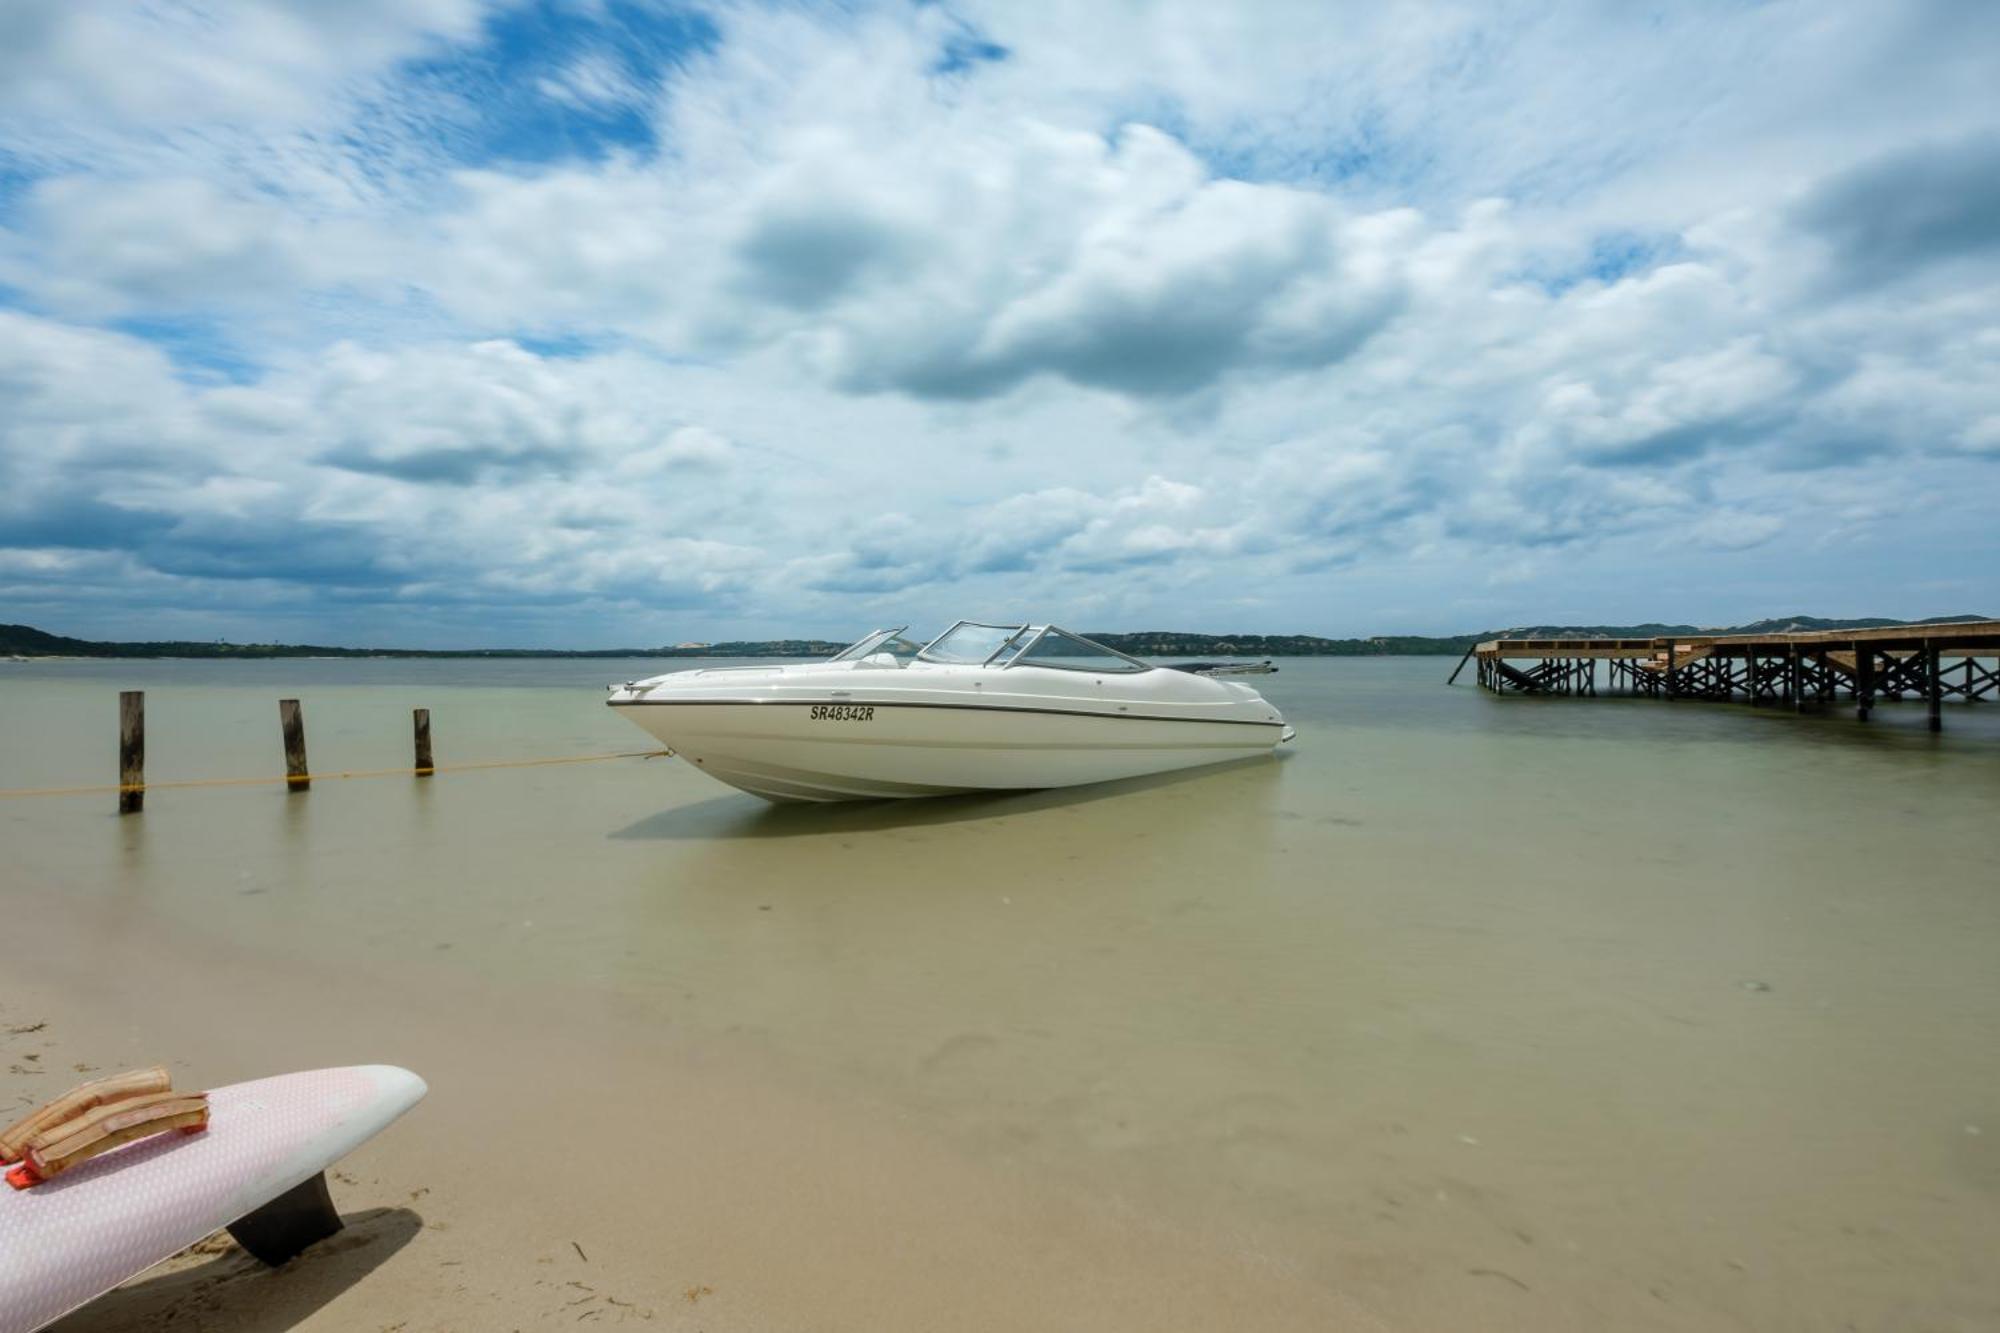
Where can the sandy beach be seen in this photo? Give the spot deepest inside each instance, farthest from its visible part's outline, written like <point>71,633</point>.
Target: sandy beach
<point>1465,1015</point>
<point>571,1165</point>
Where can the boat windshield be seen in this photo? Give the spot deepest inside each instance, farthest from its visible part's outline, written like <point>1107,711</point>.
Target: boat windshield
<point>969,643</point>
<point>1072,652</point>
<point>889,641</point>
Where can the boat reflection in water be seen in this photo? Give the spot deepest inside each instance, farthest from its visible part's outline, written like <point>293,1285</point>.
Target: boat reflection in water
<point>980,707</point>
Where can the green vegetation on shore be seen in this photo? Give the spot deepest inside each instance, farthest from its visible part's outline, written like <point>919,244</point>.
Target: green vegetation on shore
<point>1169,643</point>
<point>25,641</point>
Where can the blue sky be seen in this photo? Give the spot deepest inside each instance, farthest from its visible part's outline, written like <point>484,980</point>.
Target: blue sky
<point>430,322</point>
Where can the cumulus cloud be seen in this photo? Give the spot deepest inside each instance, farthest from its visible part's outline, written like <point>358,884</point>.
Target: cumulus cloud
<point>1927,205</point>
<point>1166,282</point>
<point>954,262</point>
<point>479,475</point>
<point>96,248</point>
<point>1152,311</point>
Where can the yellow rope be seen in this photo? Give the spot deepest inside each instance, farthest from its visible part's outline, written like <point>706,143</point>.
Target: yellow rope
<point>326,777</point>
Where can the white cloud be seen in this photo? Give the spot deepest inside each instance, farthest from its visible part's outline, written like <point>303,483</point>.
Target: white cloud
<point>1167,306</point>
<point>1982,436</point>
<point>180,62</point>
<point>93,248</point>
<point>1733,530</point>
<point>594,81</point>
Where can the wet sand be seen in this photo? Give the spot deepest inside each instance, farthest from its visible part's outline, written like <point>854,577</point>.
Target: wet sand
<point>572,1159</point>
<point>1462,1017</point>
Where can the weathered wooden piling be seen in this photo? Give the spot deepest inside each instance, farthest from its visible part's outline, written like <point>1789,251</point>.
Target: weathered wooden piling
<point>292,721</point>
<point>421,718</point>
<point>1932,662</point>
<point>131,751</point>
<point>1933,689</point>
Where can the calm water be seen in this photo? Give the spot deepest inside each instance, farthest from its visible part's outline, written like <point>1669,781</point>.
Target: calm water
<point>1632,1014</point>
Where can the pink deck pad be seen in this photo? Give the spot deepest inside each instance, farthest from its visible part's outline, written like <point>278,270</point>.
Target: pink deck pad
<point>77,1236</point>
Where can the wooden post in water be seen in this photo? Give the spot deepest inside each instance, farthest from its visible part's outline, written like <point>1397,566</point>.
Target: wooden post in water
<point>422,718</point>
<point>1934,688</point>
<point>1670,668</point>
<point>1864,682</point>
<point>131,751</point>
<point>293,722</point>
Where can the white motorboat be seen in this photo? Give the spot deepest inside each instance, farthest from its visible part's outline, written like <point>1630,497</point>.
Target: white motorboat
<point>980,707</point>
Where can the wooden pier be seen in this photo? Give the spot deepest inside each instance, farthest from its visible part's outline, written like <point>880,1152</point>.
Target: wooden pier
<point>1817,670</point>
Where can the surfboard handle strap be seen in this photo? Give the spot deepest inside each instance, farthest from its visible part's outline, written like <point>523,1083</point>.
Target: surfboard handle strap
<point>82,1098</point>
<point>95,1118</point>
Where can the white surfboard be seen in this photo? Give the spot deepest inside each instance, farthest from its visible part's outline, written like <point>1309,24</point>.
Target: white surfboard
<point>70,1239</point>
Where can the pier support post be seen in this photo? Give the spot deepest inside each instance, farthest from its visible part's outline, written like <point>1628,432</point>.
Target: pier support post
<point>1934,689</point>
<point>1669,673</point>
<point>421,718</point>
<point>1864,682</point>
<point>131,751</point>
<point>292,721</point>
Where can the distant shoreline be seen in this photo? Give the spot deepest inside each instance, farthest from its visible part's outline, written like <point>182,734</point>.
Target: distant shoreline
<point>24,642</point>
<point>28,644</point>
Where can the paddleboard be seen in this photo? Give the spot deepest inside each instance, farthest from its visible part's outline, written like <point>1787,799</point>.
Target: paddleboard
<point>73,1238</point>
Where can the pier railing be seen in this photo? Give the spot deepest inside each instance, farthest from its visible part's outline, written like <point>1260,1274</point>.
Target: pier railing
<point>1954,661</point>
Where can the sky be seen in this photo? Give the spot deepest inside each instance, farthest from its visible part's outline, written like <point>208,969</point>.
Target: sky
<point>621,322</point>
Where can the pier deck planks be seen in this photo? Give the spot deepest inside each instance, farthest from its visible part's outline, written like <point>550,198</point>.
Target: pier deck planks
<point>1934,663</point>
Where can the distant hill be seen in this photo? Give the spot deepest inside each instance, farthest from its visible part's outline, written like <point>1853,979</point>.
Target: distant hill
<point>1775,625</point>
<point>1182,643</point>
<point>26,641</point>
<point>1174,643</point>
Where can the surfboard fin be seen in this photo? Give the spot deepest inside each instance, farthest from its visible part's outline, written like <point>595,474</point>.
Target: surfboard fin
<point>280,1229</point>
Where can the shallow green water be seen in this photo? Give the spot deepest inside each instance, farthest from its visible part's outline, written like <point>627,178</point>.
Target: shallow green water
<point>1677,1015</point>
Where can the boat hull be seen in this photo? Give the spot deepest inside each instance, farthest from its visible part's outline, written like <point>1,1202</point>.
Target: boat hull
<point>786,750</point>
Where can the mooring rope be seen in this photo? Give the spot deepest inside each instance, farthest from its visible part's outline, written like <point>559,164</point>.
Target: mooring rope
<point>115,787</point>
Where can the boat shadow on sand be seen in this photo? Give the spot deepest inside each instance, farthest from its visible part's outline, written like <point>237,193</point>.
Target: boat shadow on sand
<point>235,1291</point>
<point>740,815</point>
